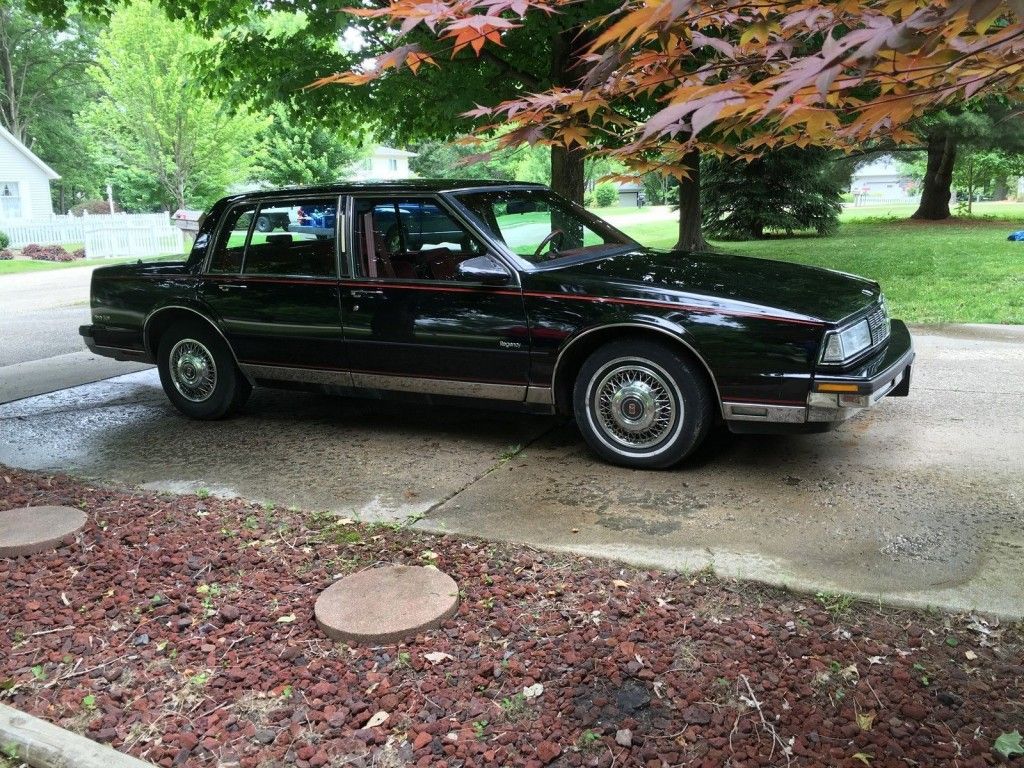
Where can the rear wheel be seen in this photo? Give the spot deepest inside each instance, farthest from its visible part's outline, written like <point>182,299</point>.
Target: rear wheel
<point>264,224</point>
<point>642,404</point>
<point>198,372</point>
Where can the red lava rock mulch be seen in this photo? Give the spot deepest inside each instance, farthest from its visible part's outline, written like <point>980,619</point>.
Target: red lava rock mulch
<point>181,630</point>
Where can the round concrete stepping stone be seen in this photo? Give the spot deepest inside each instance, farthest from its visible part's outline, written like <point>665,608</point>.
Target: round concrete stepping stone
<point>28,530</point>
<point>385,605</point>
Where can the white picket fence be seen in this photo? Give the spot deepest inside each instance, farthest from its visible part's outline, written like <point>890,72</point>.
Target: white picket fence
<point>104,235</point>
<point>133,241</point>
<point>868,200</point>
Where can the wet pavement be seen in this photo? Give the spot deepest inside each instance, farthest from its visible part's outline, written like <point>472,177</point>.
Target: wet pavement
<point>919,501</point>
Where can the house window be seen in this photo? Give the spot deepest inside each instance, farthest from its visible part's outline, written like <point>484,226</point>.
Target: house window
<point>10,200</point>
<point>392,163</point>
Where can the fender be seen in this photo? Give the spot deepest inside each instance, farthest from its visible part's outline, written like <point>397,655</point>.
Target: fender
<point>645,323</point>
<point>205,316</point>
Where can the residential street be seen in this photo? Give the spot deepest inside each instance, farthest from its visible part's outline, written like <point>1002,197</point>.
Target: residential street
<point>919,501</point>
<point>41,350</point>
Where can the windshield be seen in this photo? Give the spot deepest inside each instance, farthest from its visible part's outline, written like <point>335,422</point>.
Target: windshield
<point>540,226</point>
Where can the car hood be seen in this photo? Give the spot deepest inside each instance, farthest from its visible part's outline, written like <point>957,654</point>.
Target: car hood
<point>724,279</point>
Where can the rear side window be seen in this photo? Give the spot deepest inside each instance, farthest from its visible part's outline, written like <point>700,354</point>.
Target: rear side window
<point>280,237</point>
<point>227,256</point>
<point>294,238</point>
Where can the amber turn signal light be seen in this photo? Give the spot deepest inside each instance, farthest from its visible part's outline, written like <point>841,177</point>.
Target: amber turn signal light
<point>837,388</point>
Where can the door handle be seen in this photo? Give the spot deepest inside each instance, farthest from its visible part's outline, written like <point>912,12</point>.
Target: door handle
<point>361,294</point>
<point>231,287</point>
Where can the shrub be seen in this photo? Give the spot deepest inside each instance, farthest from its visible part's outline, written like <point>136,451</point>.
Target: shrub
<point>47,253</point>
<point>78,253</point>
<point>606,194</point>
<point>4,240</point>
<point>6,255</point>
<point>93,206</point>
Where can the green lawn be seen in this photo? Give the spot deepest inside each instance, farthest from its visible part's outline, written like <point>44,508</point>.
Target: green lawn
<point>958,271</point>
<point>28,265</point>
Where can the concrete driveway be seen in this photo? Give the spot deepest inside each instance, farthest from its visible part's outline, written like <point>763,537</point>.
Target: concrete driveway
<point>40,349</point>
<point>920,501</point>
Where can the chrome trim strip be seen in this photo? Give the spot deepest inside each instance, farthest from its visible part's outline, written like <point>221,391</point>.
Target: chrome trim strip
<point>647,327</point>
<point>540,395</point>
<point>357,380</point>
<point>303,375</point>
<point>776,414</point>
<point>449,387</point>
<point>151,315</point>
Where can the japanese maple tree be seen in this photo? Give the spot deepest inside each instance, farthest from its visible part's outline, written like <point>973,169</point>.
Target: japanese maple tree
<point>657,80</point>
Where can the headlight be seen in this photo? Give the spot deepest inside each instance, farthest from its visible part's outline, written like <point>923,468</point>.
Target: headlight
<point>846,344</point>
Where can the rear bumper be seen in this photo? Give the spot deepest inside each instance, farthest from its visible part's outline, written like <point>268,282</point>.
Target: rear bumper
<point>833,399</point>
<point>124,354</point>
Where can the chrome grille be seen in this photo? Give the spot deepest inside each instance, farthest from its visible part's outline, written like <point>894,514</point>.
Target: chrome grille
<point>878,321</point>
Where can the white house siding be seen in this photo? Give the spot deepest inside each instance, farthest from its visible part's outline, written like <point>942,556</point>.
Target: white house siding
<point>385,163</point>
<point>33,182</point>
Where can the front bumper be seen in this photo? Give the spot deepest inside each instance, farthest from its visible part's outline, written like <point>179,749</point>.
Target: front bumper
<point>834,398</point>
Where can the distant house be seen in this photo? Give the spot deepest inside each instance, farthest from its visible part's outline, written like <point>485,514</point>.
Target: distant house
<point>882,180</point>
<point>630,195</point>
<point>385,163</point>
<point>24,182</point>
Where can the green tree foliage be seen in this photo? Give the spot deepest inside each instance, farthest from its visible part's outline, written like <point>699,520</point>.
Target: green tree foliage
<point>787,190</point>
<point>160,139</point>
<point>295,152</point>
<point>451,160</point>
<point>43,83</point>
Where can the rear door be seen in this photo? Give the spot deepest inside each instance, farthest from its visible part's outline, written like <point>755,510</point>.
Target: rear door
<point>272,280</point>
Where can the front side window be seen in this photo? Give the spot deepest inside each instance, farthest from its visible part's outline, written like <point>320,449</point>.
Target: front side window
<point>410,239</point>
<point>540,226</point>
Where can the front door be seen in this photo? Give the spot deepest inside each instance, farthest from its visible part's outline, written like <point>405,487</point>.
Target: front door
<point>272,281</point>
<point>413,321</point>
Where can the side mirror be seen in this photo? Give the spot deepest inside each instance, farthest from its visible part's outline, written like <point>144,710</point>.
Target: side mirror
<point>483,269</point>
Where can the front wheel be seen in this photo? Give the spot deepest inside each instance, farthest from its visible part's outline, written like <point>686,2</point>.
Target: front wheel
<point>198,372</point>
<point>642,404</point>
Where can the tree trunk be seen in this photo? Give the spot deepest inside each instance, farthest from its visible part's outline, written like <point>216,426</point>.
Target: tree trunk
<point>938,179</point>
<point>567,176</point>
<point>1000,189</point>
<point>690,236</point>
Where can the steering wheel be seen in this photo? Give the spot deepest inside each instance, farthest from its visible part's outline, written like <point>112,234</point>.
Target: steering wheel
<point>547,240</point>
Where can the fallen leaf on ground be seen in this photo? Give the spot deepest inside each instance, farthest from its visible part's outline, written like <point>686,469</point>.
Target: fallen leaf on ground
<point>436,657</point>
<point>533,691</point>
<point>377,719</point>
<point>286,619</point>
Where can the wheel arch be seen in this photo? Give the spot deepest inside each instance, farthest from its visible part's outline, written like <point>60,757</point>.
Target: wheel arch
<point>572,355</point>
<point>162,318</point>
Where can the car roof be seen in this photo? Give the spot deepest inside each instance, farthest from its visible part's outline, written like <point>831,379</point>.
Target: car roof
<point>404,185</point>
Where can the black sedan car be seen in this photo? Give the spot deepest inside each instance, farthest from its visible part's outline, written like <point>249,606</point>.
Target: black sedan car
<point>458,290</point>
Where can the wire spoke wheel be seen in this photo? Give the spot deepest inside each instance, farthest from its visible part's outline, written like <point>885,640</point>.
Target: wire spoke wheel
<point>634,406</point>
<point>193,370</point>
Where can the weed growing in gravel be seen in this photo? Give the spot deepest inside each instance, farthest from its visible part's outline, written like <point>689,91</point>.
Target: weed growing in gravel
<point>514,707</point>
<point>202,493</point>
<point>479,729</point>
<point>837,605</point>
<point>588,740</point>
